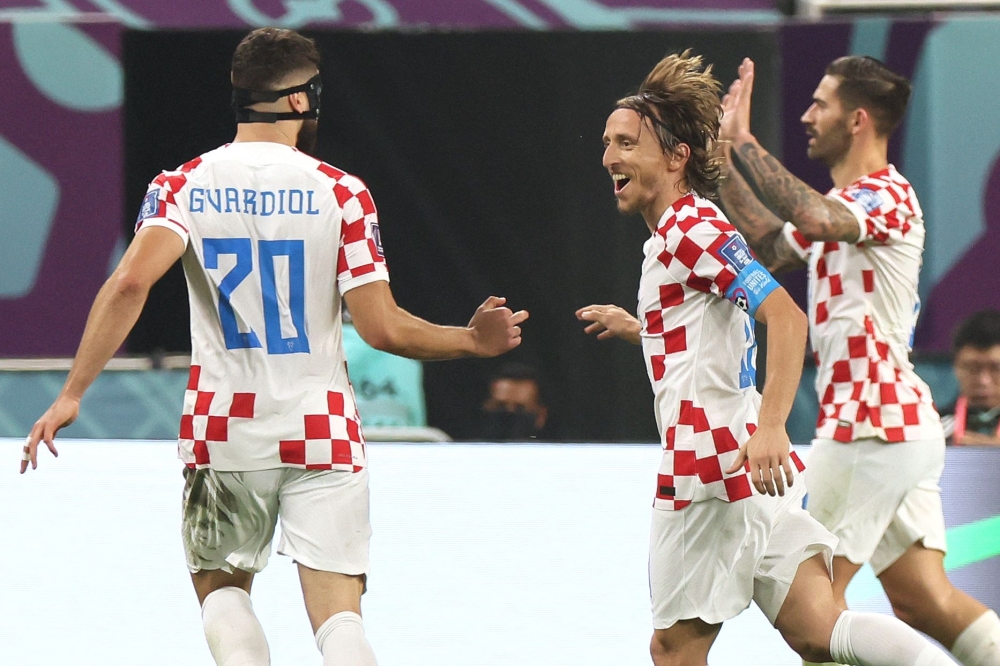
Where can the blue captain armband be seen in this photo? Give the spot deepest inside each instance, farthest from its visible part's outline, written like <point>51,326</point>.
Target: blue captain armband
<point>752,285</point>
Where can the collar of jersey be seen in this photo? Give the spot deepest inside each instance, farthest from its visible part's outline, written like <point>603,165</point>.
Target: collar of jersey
<point>670,214</point>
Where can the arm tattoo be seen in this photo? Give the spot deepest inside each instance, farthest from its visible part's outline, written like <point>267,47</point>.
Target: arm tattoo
<point>817,216</point>
<point>761,227</point>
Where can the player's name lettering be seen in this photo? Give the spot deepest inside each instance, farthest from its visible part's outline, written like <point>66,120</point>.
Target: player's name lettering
<point>253,202</point>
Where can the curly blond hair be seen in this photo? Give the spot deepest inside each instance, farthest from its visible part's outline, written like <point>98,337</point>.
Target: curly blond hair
<point>680,97</point>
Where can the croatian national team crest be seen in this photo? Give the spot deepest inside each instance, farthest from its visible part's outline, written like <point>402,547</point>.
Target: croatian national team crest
<point>868,199</point>
<point>736,252</point>
<point>150,205</point>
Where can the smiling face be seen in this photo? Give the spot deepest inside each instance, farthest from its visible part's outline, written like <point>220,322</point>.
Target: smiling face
<point>644,178</point>
<point>826,122</point>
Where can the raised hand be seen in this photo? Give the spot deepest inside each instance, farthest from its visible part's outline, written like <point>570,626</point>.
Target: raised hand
<point>610,321</point>
<point>62,412</point>
<point>768,452</point>
<point>496,329</point>
<point>736,104</point>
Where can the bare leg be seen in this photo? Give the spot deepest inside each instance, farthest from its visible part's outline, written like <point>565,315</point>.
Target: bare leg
<point>685,644</point>
<point>333,602</point>
<point>924,598</point>
<point>807,617</point>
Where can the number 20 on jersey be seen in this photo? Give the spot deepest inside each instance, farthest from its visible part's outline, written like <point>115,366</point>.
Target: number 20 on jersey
<point>267,252</point>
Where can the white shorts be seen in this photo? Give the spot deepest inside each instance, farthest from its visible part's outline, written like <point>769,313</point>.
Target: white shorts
<point>229,519</point>
<point>878,498</point>
<point>710,559</point>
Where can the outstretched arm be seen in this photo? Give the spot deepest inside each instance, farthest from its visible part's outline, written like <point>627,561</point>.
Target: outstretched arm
<point>761,228</point>
<point>816,216</point>
<point>493,329</point>
<point>115,311</point>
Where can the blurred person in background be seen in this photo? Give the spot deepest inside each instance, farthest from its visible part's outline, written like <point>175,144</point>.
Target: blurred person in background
<point>272,241</point>
<point>974,417</point>
<point>879,449</point>
<point>515,409</point>
<point>715,544</point>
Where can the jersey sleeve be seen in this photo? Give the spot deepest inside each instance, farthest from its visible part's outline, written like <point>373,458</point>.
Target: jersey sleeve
<point>877,210</point>
<point>712,257</point>
<point>799,244</point>
<point>159,206</point>
<point>360,259</point>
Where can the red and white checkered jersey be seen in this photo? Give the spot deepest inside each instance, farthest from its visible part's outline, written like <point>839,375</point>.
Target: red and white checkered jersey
<point>863,307</point>
<point>700,351</point>
<point>274,239</point>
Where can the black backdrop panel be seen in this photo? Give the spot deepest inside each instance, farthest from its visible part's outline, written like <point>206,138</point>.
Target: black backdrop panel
<point>483,153</point>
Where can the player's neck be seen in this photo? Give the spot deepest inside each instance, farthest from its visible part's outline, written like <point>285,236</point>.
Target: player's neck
<point>858,163</point>
<point>656,208</point>
<point>284,132</point>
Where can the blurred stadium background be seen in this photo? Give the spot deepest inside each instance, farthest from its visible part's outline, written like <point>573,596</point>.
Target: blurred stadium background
<point>477,125</point>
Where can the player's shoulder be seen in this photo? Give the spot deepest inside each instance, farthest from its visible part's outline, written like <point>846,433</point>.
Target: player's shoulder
<point>875,190</point>
<point>336,176</point>
<point>177,178</point>
<point>697,217</point>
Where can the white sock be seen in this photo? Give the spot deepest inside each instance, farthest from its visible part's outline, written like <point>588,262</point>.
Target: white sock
<point>234,635</point>
<point>979,643</point>
<point>868,639</point>
<point>342,641</point>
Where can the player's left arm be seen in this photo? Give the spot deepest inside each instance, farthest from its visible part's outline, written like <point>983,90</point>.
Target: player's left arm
<point>816,216</point>
<point>116,308</point>
<point>768,448</point>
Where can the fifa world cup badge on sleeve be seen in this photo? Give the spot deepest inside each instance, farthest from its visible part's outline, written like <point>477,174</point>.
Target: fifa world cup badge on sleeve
<point>150,205</point>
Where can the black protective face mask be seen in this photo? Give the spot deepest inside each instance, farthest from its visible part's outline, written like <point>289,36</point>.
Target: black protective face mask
<point>501,425</point>
<point>243,98</point>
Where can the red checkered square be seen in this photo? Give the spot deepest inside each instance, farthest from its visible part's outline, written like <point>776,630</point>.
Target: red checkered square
<point>203,403</point>
<point>836,286</point>
<point>242,405</point>
<point>658,363</point>
<point>822,313</point>
<point>671,295</point>
<point>675,340</point>
<point>654,322</point>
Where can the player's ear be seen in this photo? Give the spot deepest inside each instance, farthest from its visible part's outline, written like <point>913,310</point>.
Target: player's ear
<point>679,156</point>
<point>859,118</point>
<point>299,102</point>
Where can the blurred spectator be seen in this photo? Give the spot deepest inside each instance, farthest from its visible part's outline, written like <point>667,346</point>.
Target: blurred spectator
<point>389,389</point>
<point>975,416</point>
<point>515,408</point>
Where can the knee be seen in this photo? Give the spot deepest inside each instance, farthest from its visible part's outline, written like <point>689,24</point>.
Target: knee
<point>810,634</point>
<point>665,652</point>
<point>921,606</point>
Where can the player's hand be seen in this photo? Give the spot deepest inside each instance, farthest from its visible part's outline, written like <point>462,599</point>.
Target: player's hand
<point>610,321</point>
<point>496,329</point>
<point>768,452</point>
<point>62,412</point>
<point>736,104</point>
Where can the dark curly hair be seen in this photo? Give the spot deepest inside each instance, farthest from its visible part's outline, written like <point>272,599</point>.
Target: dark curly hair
<point>267,56</point>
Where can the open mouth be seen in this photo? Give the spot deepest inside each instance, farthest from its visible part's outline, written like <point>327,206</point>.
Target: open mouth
<point>620,180</point>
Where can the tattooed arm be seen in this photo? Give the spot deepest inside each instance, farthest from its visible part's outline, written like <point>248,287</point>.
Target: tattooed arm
<point>816,216</point>
<point>761,228</point>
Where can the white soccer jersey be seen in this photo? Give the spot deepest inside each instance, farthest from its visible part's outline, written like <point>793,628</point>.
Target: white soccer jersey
<point>699,288</point>
<point>274,239</point>
<point>863,308</point>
